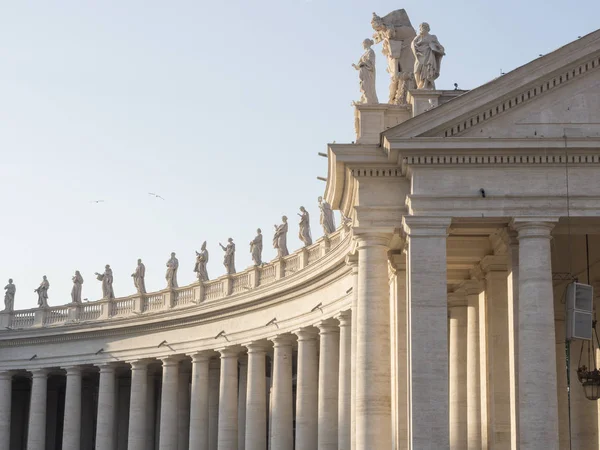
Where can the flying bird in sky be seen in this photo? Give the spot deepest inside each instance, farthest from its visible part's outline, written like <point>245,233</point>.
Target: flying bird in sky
<point>97,201</point>
<point>155,195</point>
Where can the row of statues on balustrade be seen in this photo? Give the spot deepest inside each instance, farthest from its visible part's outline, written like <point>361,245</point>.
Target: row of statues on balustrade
<point>200,268</point>
<point>413,60</point>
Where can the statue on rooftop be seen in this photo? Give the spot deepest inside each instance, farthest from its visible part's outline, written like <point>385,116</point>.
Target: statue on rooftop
<point>428,53</point>
<point>201,261</point>
<point>139,277</point>
<point>9,296</point>
<point>280,238</point>
<point>327,219</point>
<point>171,275</point>
<point>304,228</point>
<point>256,247</point>
<point>229,258</point>
<point>366,74</point>
<point>396,32</point>
<point>42,292</point>
<point>77,286</point>
<point>107,282</point>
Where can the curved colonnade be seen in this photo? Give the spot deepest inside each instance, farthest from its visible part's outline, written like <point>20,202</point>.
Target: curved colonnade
<point>261,358</point>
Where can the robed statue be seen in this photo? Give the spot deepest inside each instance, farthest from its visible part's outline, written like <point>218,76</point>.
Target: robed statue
<point>77,287</point>
<point>9,296</point>
<point>280,238</point>
<point>366,75</point>
<point>304,227</point>
<point>42,292</point>
<point>201,261</point>
<point>107,282</point>
<point>171,275</point>
<point>428,53</point>
<point>139,277</point>
<point>327,219</point>
<point>229,258</point>
<point>256,246</point>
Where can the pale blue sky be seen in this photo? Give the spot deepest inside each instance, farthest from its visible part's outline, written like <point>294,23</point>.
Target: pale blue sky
<point>221,107</point>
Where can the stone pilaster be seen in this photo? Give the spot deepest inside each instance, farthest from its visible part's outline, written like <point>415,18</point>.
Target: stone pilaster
<point>169,408</point>
<point>281,435</point>
<point>105,421</point>
<point>72,418</point>
<point>458,370</point>
<point>352,261</point>
<point>199,402</point>
<point>329,363</point>
<point>5,408</point>
<point>228,407</point>
<point>256,398</point>
<point>472,291</point>
<point>36,432</point>
<point>136,436</point>
<point>373,381</point>
<point>242,392</point>
<point>428,339</point>
<point>538,425</point>
<point>307,383</point>
<point>344,438</point>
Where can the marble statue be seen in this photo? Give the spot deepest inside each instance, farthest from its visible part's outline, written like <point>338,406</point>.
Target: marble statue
<point>77,285</point>
<point>346,221</point>
<point>327,219</point>
<point>171,275</point>
<point>366,74</point>
<point>396,32</point>
<point>42,292</point>
<point>428,57</point>
<point>229,258</point>
<point>256,248</point>
<point>9,296</point>
<point>304,230</point>
<point>280,238</point>
<point>201,261</point>
<point>139,277</point>
<point>107,282</point>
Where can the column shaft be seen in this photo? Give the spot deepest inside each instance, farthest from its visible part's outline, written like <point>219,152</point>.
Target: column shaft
<point>199,402</point>
<point>72,419</point>
<point>136,437</point>
<point>281,398</point>
<point>228,386</point>
<point>106,408</point>
<point>373,409</point>
<point>329,363</point>
<point>458,377</point>
<point>307,382</point>
<point>352,261</point>
<point>36,433</point>
<point>5,408</point>
<point>428,332</point>
<point>168,411</point>
<point>214,370</point>
<point>256,399</point>
<point>242,392</point>
<point>538,413</point>
<point>184,410</point>
<point>473,385</point>
<point>344,440</point>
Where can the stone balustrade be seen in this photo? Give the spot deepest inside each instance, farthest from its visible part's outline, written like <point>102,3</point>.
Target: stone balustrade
<point>197,293</point>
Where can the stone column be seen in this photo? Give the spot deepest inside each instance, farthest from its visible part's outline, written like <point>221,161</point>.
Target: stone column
<point>256,398</point>
<point>307,383</point>
<point>281,397</point>
<point>228,386</point>
<point>168,410</point>
<point>428,340</point>
<point>242,388</point>
<point>373,380</point>
<point>214,370</point>
<point>538,413</point>
<point>105,421</point>
<point>183,404</point>
<point>513,332</point>
<point>329,363</point>
<point>458,371</point>
<point>72,419</point>
<point>352,261</point>
<point>344,441</point>
<point>199,402</point>
<point>472,289</point>
<point>5,408</point>
<point>136,437</point>
<point>36,432</point>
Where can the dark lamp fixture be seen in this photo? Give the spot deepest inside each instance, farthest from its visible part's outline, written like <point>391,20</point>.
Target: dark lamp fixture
<point>590,377</point>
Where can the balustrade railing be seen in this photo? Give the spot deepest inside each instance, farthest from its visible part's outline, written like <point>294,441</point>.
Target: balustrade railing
<point>252,278</point>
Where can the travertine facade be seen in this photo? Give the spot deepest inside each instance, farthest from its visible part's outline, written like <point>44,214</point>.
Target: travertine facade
<point>434,321</point>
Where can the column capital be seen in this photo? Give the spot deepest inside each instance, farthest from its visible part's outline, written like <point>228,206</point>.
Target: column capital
<point>282,340</point>
<point>307,334</point>
<point>457,298</point>
<point>415,226</point>
<point>397,261</point>
<point>6,375</point>
<point>229,352</point>
<point>367,238</point>
<point>73,370</point>
<point>171,360</point>
<point>344,318</point>
<point>472,287</point>
<point>328,326</point>
<point>139,364</point>
<point>352,260</point>
<point>258,346</point>
<point>39,373</point>
<point>107,367</point>
<point>533,227</point>
<point>494,263</point>
<point>203,355</point>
